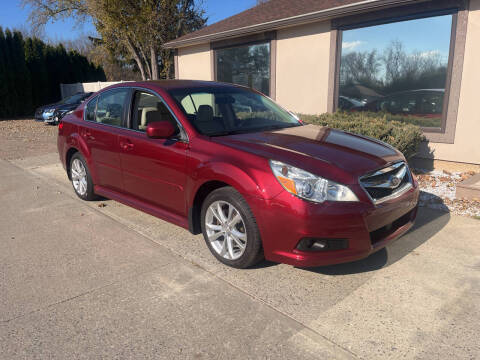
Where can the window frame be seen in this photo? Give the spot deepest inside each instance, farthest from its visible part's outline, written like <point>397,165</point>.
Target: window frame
<point>125,108</point>
<point>257,39</point>
<point>459,11</point>
<point>95,98</point>
<point>182,135</point>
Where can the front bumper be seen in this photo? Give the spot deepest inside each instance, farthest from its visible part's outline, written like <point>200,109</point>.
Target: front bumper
<point>49,117</point>
<point>286,219</point>
<point>51,120</point>
<point>41,115</point>
<point>57,116</point>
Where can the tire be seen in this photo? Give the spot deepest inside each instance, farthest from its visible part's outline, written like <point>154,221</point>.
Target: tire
<point>82,183</point>
<point>234,241</point>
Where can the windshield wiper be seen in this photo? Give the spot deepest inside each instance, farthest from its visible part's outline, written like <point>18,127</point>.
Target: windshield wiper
<point>261,129</point>
<point>232,132</point>
<point>279,127</point>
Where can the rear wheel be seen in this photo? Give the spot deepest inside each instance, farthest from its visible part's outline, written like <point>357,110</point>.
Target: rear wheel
<point>230,229</point>
<point>81,179</point>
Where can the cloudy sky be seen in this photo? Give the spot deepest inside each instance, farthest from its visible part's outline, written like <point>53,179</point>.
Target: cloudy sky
<point>427,36</point>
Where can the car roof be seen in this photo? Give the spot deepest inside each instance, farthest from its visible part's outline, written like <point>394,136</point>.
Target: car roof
<point>180,84</point>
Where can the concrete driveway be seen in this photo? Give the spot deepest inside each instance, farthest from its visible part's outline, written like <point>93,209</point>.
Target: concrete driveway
<point>94,280</point>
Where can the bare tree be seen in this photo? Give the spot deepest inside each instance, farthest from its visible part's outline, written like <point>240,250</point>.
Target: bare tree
<point>360,67</point>
<point>43,11</point>
<point>405,68</point>
<point>394,70</point>
<point>133,29</point>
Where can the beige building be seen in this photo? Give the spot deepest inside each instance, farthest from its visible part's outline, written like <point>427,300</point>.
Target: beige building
<point>418,60</point>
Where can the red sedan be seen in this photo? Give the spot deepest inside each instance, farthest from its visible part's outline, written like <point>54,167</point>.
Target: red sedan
<point>230,163</point>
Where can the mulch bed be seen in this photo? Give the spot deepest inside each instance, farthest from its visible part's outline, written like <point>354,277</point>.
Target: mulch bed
<point>438,191</point>
<point>25,138</point>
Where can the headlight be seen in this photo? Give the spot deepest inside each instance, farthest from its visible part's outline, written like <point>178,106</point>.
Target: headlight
<point>48,111</point>
<point>308,186</point>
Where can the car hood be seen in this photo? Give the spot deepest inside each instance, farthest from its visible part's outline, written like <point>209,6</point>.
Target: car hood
<point>335,154</point>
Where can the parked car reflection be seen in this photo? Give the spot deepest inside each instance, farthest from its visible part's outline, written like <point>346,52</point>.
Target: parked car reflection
<point>347,103</point>
<point>424,105</point>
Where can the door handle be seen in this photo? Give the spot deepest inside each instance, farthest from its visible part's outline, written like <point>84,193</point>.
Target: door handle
<point>88,135</point>
<point>126,145</point>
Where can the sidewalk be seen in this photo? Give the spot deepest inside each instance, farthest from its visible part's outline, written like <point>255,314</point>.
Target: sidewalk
<point>123,282</point>
<point>77,284</point>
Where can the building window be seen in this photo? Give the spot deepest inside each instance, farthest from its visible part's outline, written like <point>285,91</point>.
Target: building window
<point>247,65</point>
<point>400,68</point>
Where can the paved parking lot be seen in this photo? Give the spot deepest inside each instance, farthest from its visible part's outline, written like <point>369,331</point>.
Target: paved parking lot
<point>84,280</point>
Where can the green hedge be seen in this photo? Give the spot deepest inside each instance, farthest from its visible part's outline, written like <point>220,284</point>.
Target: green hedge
<point>31,72</point>
<point>403,136</point>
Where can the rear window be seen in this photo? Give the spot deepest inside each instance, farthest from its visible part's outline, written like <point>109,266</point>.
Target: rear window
<point>110,107</point>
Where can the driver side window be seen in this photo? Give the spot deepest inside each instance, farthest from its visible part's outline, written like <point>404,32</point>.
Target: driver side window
<point>149,108</point>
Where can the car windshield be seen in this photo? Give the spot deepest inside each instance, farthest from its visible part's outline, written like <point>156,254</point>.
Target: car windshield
<point>219,111</point>
<point>74,98</point>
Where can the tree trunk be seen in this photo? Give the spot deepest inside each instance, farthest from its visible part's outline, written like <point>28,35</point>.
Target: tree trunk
<point>154,62</point>
<point>167,59</point>
<point>137,59</point>
<point>147,64</point>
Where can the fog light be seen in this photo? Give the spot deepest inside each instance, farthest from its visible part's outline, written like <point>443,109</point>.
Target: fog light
<point>316,245</point>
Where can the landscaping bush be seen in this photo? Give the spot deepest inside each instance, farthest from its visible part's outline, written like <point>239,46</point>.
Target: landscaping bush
<point>403,136</point>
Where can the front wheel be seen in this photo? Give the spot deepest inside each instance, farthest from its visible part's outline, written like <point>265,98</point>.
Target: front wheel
<point>230,229</point>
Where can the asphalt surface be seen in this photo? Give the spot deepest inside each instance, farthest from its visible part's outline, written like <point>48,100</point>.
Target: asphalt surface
<point>102,280</point>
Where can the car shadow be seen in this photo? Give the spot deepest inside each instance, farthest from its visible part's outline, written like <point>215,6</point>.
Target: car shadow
<point>100,199</point>
<point>428,223</point>
<point>263,265</point>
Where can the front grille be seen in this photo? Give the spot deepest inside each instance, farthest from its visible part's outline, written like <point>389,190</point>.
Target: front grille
<point>388,182</point>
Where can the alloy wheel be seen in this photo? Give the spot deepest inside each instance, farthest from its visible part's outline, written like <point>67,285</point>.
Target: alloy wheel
<point>226,230</point>
<point>79,177</point>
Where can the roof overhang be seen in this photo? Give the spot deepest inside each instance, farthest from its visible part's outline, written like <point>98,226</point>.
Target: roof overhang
<point>322,15</point>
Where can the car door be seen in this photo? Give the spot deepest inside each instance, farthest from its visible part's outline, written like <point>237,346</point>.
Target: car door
<point>105,119</point>
<point>154,170</point>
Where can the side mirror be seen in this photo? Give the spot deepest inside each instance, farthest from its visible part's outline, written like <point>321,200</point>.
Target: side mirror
<point>160,130</point>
